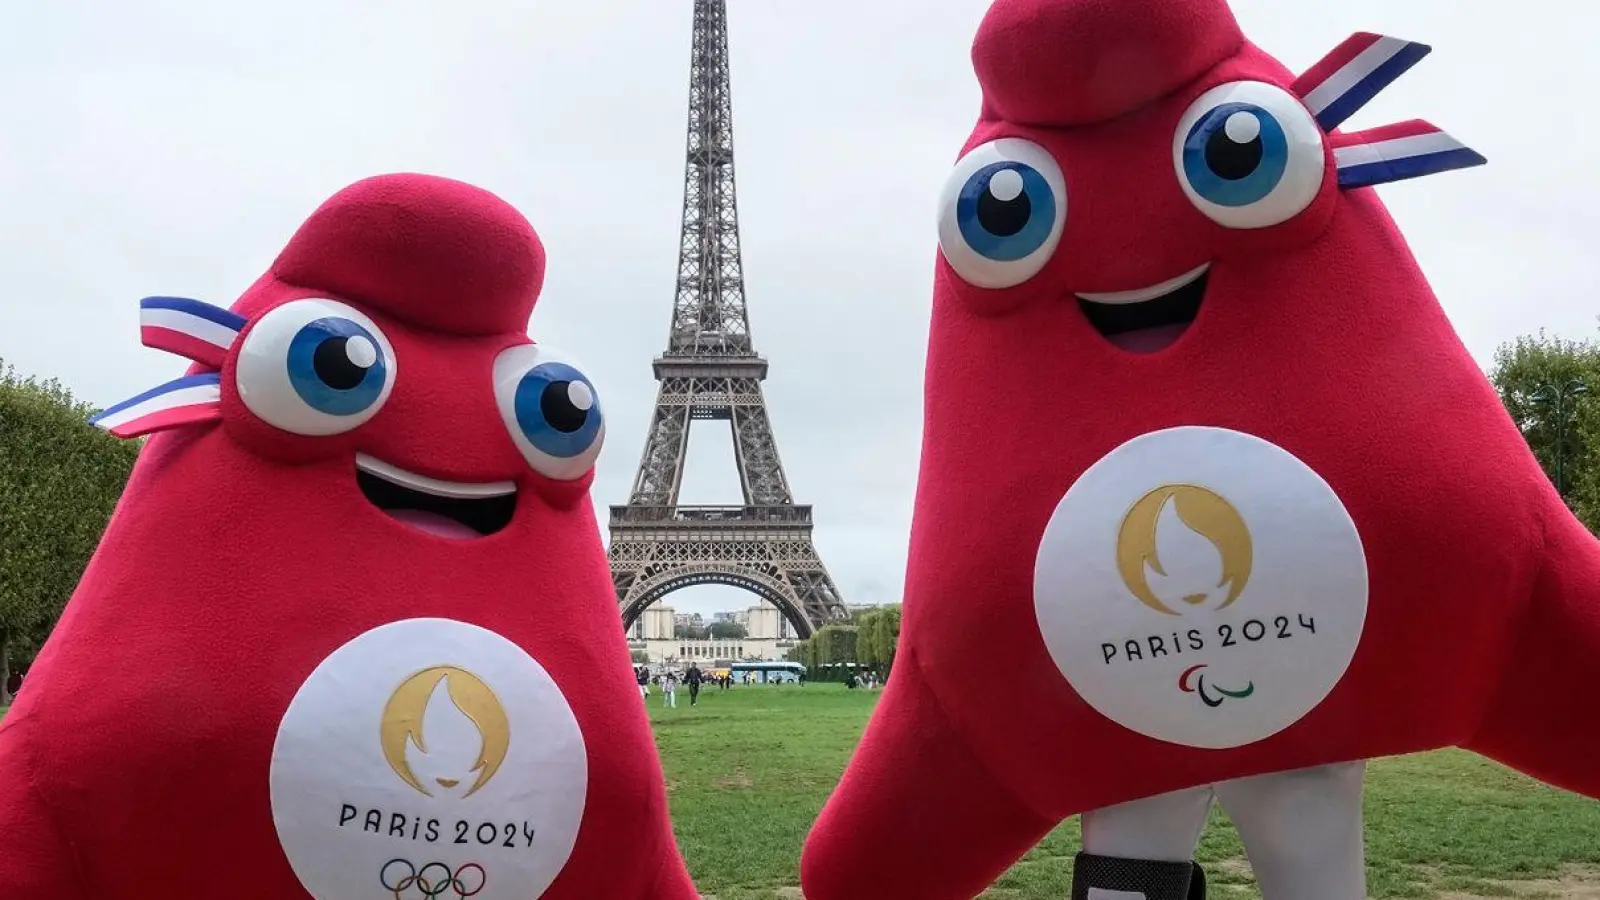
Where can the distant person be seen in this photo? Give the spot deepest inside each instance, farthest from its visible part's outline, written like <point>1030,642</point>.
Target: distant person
<point>643,674</point>
<point>669,691</point>
<point>692,679</point>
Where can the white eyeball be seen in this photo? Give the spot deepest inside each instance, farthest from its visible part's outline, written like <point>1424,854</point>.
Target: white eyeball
<point>315,367</point>
<point>1249,155</point>
<point>551,410</point>
<point>1001,213</point>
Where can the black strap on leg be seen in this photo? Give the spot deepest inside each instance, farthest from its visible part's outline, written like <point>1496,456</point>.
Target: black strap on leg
<point>1144,878</point>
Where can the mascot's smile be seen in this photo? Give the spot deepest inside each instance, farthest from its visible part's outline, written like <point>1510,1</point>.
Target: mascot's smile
<point>448,509</point>
<point>1148,319</point>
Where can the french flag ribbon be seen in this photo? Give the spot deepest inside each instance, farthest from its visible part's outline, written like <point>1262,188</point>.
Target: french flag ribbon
<point>1398,152</point>
<point>1354,73</point>
<point>186,401</point>
<point>189,328</point>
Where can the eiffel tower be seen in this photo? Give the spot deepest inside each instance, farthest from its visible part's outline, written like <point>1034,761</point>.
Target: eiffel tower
<point>710,371</point>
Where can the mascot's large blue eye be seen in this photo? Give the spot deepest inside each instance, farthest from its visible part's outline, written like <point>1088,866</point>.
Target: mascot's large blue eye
<point>557,410</point>
<point>314,367</point>
<point>1235,155</point>
<point>336,366</point>
<point>1006,211</point>
<point>551,410</point>
<point>1249,155</point>
<point>1002,213</point>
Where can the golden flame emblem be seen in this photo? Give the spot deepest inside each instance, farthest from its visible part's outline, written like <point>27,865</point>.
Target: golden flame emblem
<point>1201,515</point>
<point>418,698</point>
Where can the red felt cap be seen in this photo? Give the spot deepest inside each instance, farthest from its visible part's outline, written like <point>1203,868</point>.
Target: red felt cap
<point>437,253</point>
<point>1059,63</point>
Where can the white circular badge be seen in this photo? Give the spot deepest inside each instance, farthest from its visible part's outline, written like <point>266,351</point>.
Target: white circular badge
<point>1202,587</point>
<point>428,759</point>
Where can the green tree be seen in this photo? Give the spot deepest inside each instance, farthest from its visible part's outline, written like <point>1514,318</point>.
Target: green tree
<point>1528,373</point>
<point>869,650</point>
<point>837,643</point>
<point>870,640</point>
<point>60,478</point>
<point>728,631</point>
<point>885,639</point>
<point>877,634</point>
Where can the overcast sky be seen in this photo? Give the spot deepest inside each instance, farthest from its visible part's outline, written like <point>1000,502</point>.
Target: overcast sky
<point>172,146</point>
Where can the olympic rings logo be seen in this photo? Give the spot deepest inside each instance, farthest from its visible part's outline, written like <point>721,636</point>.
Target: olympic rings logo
<point>432,880</point>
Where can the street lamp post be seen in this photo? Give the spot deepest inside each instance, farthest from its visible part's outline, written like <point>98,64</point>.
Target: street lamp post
<point>1560,399</point>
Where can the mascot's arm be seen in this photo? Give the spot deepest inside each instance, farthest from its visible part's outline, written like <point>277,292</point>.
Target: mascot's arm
<point>35,861</point>
<point>1546,718</point>
<point>917,816</point>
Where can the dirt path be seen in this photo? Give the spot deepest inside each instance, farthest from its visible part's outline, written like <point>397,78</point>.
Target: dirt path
<point>1576,884</point>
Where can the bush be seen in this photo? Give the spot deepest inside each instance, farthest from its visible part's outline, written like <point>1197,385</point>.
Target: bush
<point>60,479</point>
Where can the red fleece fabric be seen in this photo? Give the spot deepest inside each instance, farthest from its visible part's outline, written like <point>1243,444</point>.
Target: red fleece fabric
<point>467,266</point>
<point>1320,335</point>
<point>1069,64</point>
<point>136,762</point>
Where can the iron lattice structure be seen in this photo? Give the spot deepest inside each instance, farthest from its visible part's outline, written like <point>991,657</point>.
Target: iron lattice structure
<point>710,371</point>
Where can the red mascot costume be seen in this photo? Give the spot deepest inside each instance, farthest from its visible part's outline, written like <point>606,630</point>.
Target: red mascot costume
<point>350,634</point>
<point>1206,464</point>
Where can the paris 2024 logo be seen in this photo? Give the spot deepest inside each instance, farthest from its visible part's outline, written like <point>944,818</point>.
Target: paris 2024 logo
<point>1209,553</point>
<point>1201,586</point>
<point>428,759</point>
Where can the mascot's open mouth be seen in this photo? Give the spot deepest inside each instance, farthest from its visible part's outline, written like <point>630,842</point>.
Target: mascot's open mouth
<point>1148,319</point>
<point>449,509</point>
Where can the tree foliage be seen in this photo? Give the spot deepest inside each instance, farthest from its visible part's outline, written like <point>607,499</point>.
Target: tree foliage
<point>728,631</point>
<point>831,645</point>
<point>869,641</point>
<point>1525,372</point>
<point>59,481</point>
<point>878,634</point>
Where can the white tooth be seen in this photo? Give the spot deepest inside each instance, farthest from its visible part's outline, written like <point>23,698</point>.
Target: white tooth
<point>1147,293</point>
<point>435,486</point>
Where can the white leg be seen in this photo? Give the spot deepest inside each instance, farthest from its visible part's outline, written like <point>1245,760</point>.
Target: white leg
<point>1163,828</point>
<point>1302,831</point>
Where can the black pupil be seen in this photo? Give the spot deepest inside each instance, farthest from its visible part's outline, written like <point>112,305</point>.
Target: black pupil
<point>559,410</point>
<point>1229,159</point>
<point>1003,218</point>
<point>333,365</point>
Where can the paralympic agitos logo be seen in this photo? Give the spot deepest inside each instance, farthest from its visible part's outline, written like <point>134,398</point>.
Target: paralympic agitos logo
<point>1183,548</point>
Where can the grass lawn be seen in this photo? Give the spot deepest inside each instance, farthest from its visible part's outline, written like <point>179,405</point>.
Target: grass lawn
<point>748,770</point>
